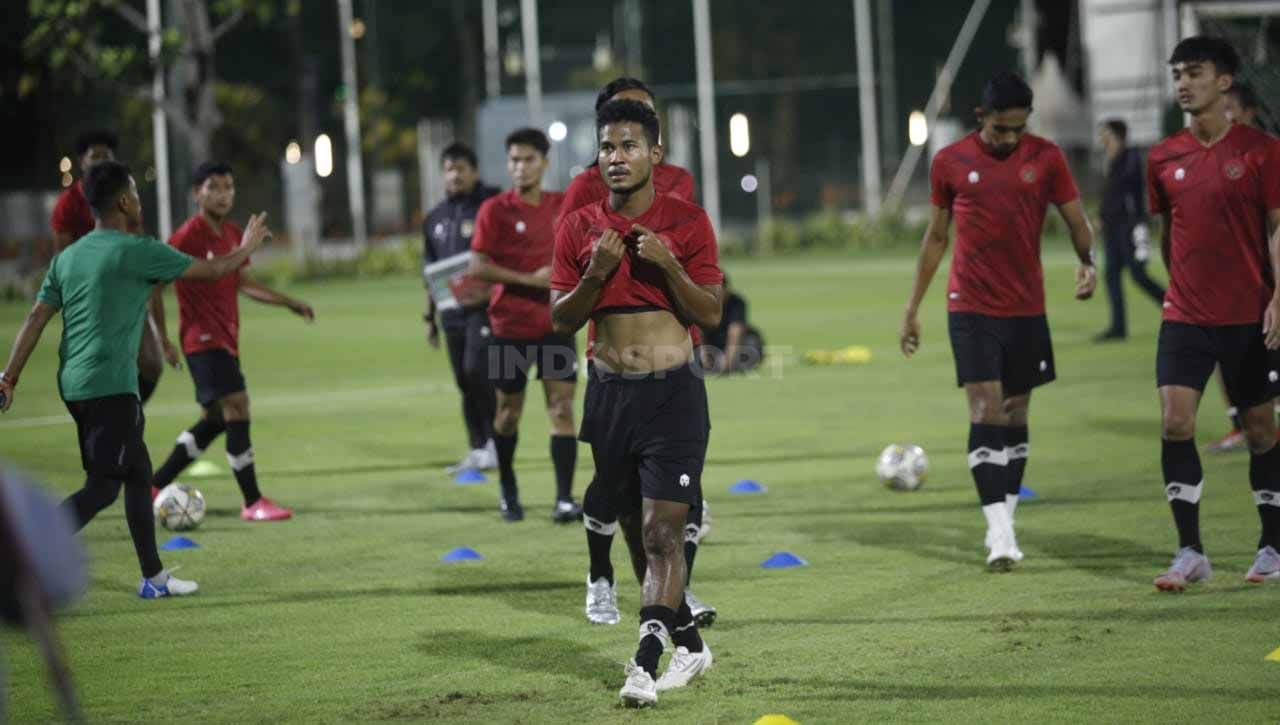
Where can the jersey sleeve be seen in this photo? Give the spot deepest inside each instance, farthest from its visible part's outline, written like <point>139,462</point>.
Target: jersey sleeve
<point>941,193</point>
<point>702,263</point>
<point>51,289</point>
<point>1062,185</point>
<point>62,220</point>
<point>428,249</point>
<point>153,261</point>
<point>1155,196</point>
<point>484,239</point>
<point>565,272</point>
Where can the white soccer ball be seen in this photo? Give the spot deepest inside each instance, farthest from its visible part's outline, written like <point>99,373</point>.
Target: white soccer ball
<point>902,468</point>
<point>179,507</point>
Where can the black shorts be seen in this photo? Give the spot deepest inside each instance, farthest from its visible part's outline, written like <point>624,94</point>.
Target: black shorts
<point>1186,355</point>
<point>111,437</point>
<point>216,374</point>
<point>1017,351</point>
<point>510,359</point>
<point>648,435</point>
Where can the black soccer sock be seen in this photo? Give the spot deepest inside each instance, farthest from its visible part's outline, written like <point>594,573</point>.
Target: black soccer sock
<point>506,446</point>
<point>96,494</point>
<point>1233,415</point>
<point>692,524</point>
<point>564,456</point>
<point>686,632</point>
<point>240,456</point>
<point>146,388</point>
<point>1017,445</point>
<point>142,524</point>
<point>656,623</point>
<point>192,442</point>
<point>988,461</point>
<point>601,522</point>
<point>1264,479</point>
<point>1183,482</point>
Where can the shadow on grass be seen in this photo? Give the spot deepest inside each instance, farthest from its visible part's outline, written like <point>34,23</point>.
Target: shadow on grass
<point>853,690</point>
<point>550,655</point>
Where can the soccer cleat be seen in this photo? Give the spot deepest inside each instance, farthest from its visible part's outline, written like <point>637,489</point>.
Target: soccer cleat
<point>704,615</point>
<point>1266,567</point>
<point>511,512</point>
<point>171,586</point>
<point>684,666</point>
<point>469,462</point>
<point>566,512</point>
<point>704,526</point>
<point>1233,441</point>
<point>1004,553</point>
<point>487,457</point>
<point>602,602</point>
<point>264,509</point>
<point>1188,566</point>
<point>639,690</point>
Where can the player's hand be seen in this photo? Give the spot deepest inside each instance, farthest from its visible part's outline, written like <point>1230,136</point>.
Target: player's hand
<point>255,232</point>
<point>433,334</point>
<point>171,355</point>
<point>1271,323</point>
<point>541,277</point>
<point>653,249</point>
<point>6,394</point>
<point>909,337</point>
<point>1086,281</point>
<point>606,254</point>
<point>303,310</point>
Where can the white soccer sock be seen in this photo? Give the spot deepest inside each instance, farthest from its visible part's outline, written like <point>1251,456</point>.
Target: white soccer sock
<point>1011,504</point>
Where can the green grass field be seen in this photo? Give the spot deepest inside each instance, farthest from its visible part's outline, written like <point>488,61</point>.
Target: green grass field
<point>347,614</point>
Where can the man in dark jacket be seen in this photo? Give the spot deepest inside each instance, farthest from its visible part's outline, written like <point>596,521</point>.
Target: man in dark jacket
<point>447,233</point>
<point>1124,226</point>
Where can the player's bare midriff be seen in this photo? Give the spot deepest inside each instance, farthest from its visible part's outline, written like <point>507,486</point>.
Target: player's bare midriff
<point>641,342</point>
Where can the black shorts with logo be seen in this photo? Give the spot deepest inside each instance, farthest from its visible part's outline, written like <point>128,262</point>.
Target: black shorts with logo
<point>510,360</point>
<point>111,437</point>
<point>1017,351</point>
<point>648,434</point>
<point>216,374</point>
<point>1186,355</point>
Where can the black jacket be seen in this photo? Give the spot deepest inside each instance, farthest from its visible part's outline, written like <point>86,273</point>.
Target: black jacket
<point>1123,199</point>
<point>448,227</point>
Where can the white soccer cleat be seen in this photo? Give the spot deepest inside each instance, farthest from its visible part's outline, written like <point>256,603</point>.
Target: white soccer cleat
<point>639,690</point>
<point>1189,566</point>
<point>684,666</point>
<point>704,526</point>
<point>602,602</point>
<point>487,457</point>
<point>469,462</point>
<point>1266,567</point>
<point>1001,541</point>
<point>704,615</point>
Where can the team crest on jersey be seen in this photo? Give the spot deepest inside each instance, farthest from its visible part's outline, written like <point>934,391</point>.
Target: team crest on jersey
<point>1027,174</point>
<point>439,230</point>
<point>1234,170</point>
<point>520,227</point>
<point>1180,174</point>
<point>973,177</point>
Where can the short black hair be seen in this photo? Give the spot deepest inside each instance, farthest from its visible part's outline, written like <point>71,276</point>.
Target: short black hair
<point>103,184</point>
<point>529,137</point>
<point>1207,49</point>
<point>618,85</point>
<point>1006,90</point>
<point>623,111</point>
<point>458,151</point>
<point>1118,127</point>
<point>207,169</point>
<point>96,137</point>
<point>1246,95</point>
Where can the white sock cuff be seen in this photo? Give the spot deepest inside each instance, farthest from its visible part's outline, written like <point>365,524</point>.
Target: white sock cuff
<point>598,526</point>
<point>1018,452</point>
<point>188,441</point>
<point>1267,498</point>
<point>242,461</point>
<point>691,532</point>
<point>1183,491</point>
<point>655,628</point>
<point>994,456</point>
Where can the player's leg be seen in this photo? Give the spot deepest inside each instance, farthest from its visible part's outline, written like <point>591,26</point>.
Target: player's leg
<point>1017,445</point>
<point>558,369</point>
<point>1114,274</point>
<point>191,444</point>
<point>99,490</point>
<point>1152,288</point>
<point>508,368</point>
<point>1234,439</point>
<point>600,518</point>
<point>235,411</point>
<point>480,394</point>
<point>1250,389</point>
<point>704,614</point>
<point>455,343</point>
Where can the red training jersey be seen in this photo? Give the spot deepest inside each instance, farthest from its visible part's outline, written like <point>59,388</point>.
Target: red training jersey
<point>999,205</point>
<point>72,214</point>
<point>636,283</point>
<point>1218,198</point>
<point>521,237</point>
<point>208,312</point>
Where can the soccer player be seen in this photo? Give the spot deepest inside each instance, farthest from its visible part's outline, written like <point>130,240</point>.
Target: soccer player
<point>644,266</point>
<point>447,232</point>
<point>512,248</point>
<point>1124,226</point>
<point>102,285</point>
<point>1216,186</point>
<point>600,520</point>
<point>997,183</point>
<point>209,328</point>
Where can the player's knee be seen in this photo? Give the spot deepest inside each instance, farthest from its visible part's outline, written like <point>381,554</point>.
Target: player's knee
<point>1259,430</point>
<point>662,538</point>
<point>560,410</point>
<point>1177,424</point>
<point>986,409</point>
<point>235,407</point>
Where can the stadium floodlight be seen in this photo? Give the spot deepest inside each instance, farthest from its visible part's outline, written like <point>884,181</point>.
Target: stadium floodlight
<point>64,165</point>
<point>750,183</point>
<point>739,135</point>
<point>324,155</point>
<point>293,152</point>
<point>918,128</point>
<point>557,131</point>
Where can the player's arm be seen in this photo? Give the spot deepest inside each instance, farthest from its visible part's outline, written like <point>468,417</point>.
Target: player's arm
<point>701,304</point>
<point>571,310</point>
<point>259,292</point>
<point>155,308</point>
<point>218,267</point>
<point>1082,239</point>
<point>1166,237</point>
<point>28,336</point>
<point>1271,319</point>
<point>932,249</point>
<point>483,268</point>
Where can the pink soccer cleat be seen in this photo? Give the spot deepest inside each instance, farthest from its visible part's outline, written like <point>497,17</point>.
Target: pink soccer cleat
<point>264,509</point>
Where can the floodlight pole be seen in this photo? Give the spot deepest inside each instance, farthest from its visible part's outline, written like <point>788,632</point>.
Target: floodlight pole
<point>532,60</point>
<point>351,124</point>
<point>159,124</point>
<point>706,112</point>
<point>492,79</point>
<point>867,107</point>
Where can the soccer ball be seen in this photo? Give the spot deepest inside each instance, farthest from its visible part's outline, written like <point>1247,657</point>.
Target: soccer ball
<point>179,507</point>
<point>902,468</point>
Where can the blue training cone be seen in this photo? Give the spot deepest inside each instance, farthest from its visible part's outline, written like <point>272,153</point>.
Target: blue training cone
<point>462,553</point>
<point>179,542</point>
<point>1026,493</point>
<point>746,485</point>
<point>470,477</point>
<point>783,560</point>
